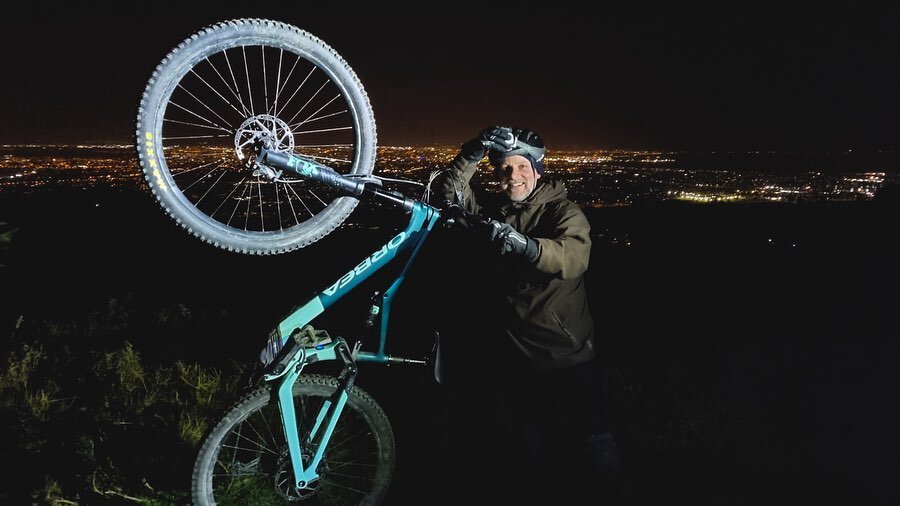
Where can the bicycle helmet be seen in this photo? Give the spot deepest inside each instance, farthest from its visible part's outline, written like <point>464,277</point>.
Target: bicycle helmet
<point>528,144</point>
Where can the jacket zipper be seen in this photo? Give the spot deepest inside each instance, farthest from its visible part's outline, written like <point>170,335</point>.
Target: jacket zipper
<point>561,325</point>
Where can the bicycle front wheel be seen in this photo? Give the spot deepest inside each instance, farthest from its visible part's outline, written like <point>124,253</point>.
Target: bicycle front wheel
<point>211,102</point>
<point>245,459</point>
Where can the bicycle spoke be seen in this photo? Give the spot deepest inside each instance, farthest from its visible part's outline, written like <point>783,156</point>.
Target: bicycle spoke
<point>283,484</point>
<point>317,197</point>
<point>208,108</point>
<point>249,200</point>
<point>342,484</point>
<point>238,203</point>
<point>278,207</point>
<point>297,89</point>
<point>308,101</point>
<point>306,411</point>
<point>188,187</point>
<point>234,454</point>
<point>182,172</point>
<point>215,69</point>
<point>260,436</point>
<point>291,203</point>
<point>211,187</point>
<point>346,440</point>
<point>277,82</point>
<point>186,137</point>
<point>257,447</point>
<point>310,120</point>
<point>324,146</point>
<point>262,51</point>
<point>185,109</point>
<point>328,158</point>
<point>247,74</point>
<point>236,87</point>
<point>278,90</point>
<point>324,130</point>
<point>227,197</point>
<point>262,217</point>
<point>210,86</point>
<point>301,201</point>
<point>317,111</point>
<point>356,463</point>
<point>174,121</point>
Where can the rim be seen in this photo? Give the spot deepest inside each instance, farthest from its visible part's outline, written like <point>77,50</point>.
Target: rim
<point>226,100</point>
<point>252,463</point>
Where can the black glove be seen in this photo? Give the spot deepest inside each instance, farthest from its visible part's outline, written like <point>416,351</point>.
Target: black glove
<point>498,138</point>
<point>495,137</point>
<point>512,242</point>
<point>473,151</point>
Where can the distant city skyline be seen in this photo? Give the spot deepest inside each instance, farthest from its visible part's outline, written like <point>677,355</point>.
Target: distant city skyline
<point>623,78</point>
<point>593,178</point>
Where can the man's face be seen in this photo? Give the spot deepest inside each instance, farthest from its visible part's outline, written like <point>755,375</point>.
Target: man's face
<point>518,177</point>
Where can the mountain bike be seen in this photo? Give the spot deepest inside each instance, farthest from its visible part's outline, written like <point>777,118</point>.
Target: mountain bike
<point>258,138</point>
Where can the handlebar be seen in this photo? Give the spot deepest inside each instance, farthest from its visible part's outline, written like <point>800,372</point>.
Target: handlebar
<point>452,214</point>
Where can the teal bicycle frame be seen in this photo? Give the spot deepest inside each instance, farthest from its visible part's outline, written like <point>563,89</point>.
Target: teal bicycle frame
<point>293,357</point>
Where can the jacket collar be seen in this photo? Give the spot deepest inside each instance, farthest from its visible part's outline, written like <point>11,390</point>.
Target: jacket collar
<point>543,193</point>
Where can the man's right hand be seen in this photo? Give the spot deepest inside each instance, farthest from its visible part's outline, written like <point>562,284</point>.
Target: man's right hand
<point>498,138</point>
<point>473,151</point>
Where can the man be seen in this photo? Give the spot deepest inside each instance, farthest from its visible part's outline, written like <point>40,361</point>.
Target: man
<point>535,343</point>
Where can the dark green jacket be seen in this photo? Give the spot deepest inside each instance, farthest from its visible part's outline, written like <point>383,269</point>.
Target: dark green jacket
<point>548,318</point>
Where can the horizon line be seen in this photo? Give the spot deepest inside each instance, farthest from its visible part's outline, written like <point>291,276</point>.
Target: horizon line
<point>550,150</point>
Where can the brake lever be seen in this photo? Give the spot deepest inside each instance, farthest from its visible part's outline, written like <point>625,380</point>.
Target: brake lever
<point>462,218</point>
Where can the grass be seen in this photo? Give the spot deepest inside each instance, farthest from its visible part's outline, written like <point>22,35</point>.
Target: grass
<point>90,419</point>
<point>93,422</point>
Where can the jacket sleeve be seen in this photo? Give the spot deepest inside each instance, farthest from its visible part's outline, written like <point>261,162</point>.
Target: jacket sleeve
<point>567,253</point>
<point>452,186</point>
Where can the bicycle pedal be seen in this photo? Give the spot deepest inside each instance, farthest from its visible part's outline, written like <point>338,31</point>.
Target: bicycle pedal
<point>308,337</point>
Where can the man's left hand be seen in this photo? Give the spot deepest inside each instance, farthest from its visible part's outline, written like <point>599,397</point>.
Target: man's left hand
<point>511,241</point>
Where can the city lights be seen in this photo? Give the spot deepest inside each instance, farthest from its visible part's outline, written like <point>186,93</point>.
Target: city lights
<point>598,178</point>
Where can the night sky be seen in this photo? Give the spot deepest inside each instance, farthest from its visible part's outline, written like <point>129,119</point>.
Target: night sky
<point>639,78</point>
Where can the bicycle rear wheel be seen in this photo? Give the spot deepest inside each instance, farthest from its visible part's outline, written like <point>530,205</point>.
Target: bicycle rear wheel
<point>244,460</point>
<point>221,90</point>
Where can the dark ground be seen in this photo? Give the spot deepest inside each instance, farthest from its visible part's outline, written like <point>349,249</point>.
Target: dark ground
<point>751,349</point>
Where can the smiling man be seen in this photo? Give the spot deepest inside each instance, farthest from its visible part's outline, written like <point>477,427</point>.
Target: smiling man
<point>534,340</point>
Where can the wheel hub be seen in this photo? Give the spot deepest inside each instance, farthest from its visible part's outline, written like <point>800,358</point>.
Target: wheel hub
<point>274,130</point>
<point>284,478</point>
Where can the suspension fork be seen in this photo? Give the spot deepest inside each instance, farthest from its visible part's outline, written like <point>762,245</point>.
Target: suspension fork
<point>328,415</point>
